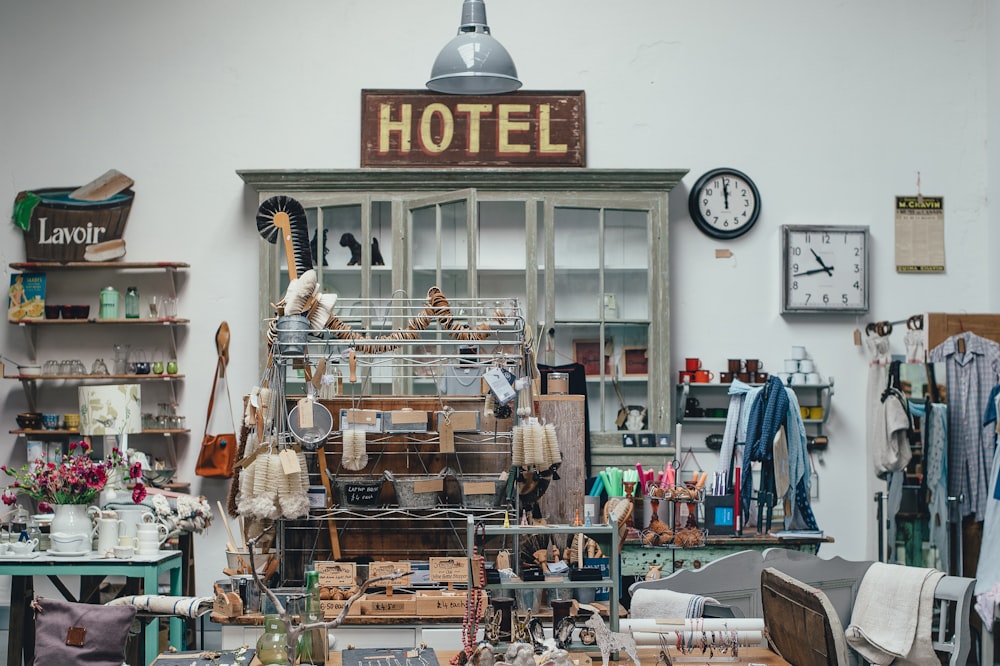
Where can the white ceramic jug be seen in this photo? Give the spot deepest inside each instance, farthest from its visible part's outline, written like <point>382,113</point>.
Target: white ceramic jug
<point>107,534</point>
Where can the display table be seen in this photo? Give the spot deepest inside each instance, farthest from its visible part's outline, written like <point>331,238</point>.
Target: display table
<point>646,655</point>
<point>144,570</point>
<point>636,558</point>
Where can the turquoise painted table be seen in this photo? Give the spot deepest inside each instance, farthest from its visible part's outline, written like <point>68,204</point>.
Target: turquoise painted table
<point>146,569</point>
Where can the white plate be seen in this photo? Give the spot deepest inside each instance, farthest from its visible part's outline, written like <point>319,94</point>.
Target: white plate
<point>12,556</point>
<point>68,553</point>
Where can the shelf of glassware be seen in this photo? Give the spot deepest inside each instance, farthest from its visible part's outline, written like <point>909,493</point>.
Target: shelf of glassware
<point>608,533</point>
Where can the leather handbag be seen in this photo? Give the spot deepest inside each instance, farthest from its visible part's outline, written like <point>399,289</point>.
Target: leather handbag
<point>73,633</point>
<point>218,452</point>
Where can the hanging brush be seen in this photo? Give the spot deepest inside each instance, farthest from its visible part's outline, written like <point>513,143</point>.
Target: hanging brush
<point>283,217</point>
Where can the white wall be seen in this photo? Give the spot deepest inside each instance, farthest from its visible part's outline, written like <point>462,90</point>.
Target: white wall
<point>833,112</point>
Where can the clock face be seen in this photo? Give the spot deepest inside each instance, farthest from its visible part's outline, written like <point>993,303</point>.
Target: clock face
<point>825,269</point>
<point>724,203</point>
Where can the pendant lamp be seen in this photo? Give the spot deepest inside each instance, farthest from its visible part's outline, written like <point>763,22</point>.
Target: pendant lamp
<point>473,62</point>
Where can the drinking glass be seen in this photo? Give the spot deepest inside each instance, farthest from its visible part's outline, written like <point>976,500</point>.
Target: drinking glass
<point>170,307</point>
<point>154,306</point>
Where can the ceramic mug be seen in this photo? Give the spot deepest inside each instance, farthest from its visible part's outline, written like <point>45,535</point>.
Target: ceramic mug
<point>813,378</point>
<point>816,413</point>
<point>726,377</point>
<point>798,352</point>
<point>156,531</point>
<point>806,365</point>
<point>798,379</point>
<point>692,364</point>
<point>759,377</point>
<point>685,377</point>
<point>148,546</point>
<point>703,376</point>
<point>754,365</point>
<point>791,365</point>
<point>734,365</point>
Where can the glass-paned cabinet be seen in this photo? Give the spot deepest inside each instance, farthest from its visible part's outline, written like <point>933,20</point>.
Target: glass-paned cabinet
<point>583,251</point>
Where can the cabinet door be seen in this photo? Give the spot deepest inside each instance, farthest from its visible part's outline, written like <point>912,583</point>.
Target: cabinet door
<point>441,244</point>
<point>600,282</point>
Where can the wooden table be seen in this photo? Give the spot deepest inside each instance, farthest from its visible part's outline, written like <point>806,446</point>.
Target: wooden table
<point>142,569</point>
<point>648,656</point>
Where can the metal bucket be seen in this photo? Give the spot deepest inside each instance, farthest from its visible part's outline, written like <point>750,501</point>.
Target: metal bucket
<point>471,496</point>
<point>293,331</point>
<point>358,492</point>
<point>410,496</point>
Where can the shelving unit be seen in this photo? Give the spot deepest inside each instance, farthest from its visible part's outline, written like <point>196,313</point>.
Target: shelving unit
<point>88,273</point>
<point>608,533</point>
<point>564,242</point>
<point>716,395</point>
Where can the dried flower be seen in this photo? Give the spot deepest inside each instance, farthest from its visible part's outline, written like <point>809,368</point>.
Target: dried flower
<point>77,479</point>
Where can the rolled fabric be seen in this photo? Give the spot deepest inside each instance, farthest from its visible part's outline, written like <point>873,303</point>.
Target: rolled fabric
<point>166,605</point>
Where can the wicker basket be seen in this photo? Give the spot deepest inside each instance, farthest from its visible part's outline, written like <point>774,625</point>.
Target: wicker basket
<point>62,228</point>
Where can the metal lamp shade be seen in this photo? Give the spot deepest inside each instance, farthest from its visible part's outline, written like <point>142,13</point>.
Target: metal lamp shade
<point>473,62</point>
<point>110,410</point>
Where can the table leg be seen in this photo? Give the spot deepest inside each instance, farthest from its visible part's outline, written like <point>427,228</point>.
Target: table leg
<point>21,629</point>
<point>176,623</point>
<point>151,631</point>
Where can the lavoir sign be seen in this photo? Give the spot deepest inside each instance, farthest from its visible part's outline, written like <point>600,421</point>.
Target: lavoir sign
<point>413,128</point>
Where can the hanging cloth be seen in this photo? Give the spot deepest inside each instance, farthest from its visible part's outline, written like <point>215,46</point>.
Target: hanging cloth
<point>767,414</point>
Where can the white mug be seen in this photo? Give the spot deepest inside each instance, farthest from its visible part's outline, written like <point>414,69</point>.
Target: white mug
<point>806,365</point>
<point>798,352</point>
<point>785,377</point>
<point>107,534</point>
<point>148,547</point>
<point>791,365</point>
<point>156,531</point>
<point>813,378</point>
<point>799,378</point>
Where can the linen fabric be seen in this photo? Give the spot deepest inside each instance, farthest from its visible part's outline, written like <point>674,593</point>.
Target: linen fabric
<point>659,603</point>
<point>971,375</point>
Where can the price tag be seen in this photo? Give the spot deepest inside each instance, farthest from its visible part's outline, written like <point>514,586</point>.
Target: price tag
<point>305,413</point>
<point>376,569</point>
<point>289,462</point>
<point>449,569</point>
<point>428,486</point>
<point>446,434</point>
<point>479,488</point>
<point>336,574</point>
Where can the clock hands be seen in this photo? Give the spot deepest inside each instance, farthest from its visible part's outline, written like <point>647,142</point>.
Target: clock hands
<point>828,269</point>
<point>725,192</point>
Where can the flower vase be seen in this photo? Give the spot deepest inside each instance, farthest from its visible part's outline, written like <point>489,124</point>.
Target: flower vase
<point>72,529</point>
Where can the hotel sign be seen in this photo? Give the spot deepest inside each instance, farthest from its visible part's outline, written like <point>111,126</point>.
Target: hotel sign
<point>415,128</point>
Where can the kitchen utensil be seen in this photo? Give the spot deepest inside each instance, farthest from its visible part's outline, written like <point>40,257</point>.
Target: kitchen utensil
<point>310,422</point>
<point>284,217</point>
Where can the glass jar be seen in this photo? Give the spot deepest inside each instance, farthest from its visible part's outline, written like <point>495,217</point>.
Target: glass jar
<point>313,645</point>
<point>109,303</point>
<point>271,644</point>
<point>132,303</point>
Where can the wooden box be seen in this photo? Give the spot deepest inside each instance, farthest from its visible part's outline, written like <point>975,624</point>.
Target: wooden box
<point>332,608</point>
<point>381,604</point>
<point>442,603</point>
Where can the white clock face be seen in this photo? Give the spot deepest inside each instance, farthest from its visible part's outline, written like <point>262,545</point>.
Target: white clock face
<point>825,269</point>
<point>727,203</point>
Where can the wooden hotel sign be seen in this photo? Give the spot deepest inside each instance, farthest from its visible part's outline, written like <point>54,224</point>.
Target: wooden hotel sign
<point>416,128</point>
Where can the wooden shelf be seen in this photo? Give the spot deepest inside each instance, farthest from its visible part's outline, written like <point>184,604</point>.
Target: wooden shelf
<point>147,321</point>
<point>77,265</point>
<point>88,377</point>
<point>40,432</point>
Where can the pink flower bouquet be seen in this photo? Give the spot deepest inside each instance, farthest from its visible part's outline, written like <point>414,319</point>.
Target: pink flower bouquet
<point>77,479</point>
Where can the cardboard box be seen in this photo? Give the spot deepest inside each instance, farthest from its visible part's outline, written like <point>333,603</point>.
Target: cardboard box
<point>381,604</point>
<point>366,420</point>
<point>440,603</point>
<point>405,420</point>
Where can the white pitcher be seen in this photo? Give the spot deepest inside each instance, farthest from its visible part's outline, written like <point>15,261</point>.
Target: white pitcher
<point>107,534</point>
<point>131,518</point>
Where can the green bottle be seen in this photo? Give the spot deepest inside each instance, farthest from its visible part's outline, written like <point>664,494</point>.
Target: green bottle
<point>312,648</point>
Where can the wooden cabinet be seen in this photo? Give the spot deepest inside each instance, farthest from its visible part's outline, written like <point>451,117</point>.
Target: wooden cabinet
<point>584,253</point>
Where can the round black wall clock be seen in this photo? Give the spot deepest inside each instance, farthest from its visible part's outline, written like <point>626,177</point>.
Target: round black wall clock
<point>724,203</point>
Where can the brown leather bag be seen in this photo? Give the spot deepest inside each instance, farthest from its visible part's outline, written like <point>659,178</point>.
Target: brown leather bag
<point>218,452</point>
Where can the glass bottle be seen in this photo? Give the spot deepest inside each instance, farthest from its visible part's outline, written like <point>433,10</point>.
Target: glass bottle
<point>109,303</point>
<point>271,644</point>
<point>312,647</point>
<point>132,303</point>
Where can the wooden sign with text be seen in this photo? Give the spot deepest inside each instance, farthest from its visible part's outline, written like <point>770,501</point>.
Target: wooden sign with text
<point>416,128</point>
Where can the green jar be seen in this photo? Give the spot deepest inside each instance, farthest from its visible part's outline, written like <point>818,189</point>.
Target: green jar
<point>271,644</point>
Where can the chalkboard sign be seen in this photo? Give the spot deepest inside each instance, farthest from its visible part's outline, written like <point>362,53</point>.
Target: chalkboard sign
<point>361,493</point>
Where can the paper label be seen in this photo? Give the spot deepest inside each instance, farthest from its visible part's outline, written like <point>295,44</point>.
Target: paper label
<point>376,569</point>
<point>305,413</point>
<point>289,462</point>
<point>336,574</point>
<point>449,569</point>
<point>446,435</point>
